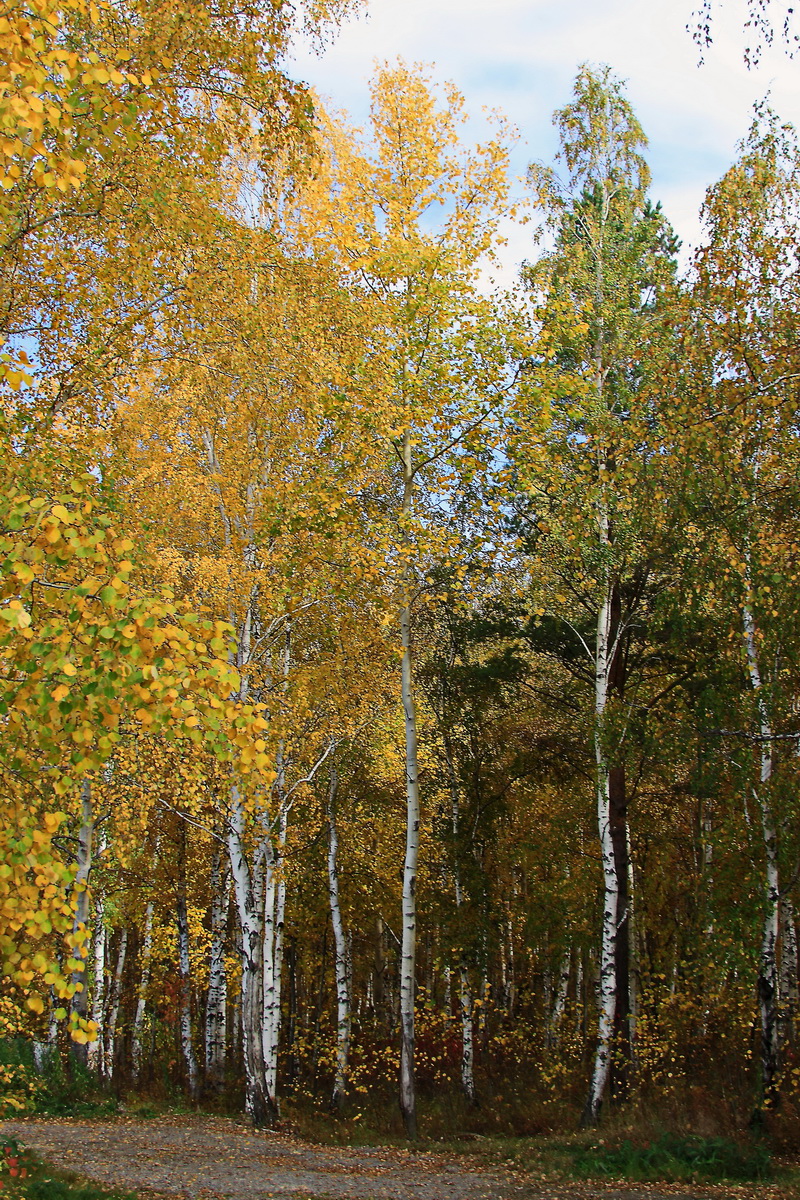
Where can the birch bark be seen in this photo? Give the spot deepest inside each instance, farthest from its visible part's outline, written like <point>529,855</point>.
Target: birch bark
<point>96,1056</point>
<point>465,1002</point>
<point>560,999</point>
<point>217,999</point>
<point>768,958</point>
<point>187,1042</point>
<point>788,971</point>
<point>273,848</point>
<point>343,1018</point>
<point>272,958</point>
<point>141,1002</point>
<point>607,975</point>
<point>610,255</point>
<point>80,999</point>
<point>114,1003</point>
<point>248,889</point>
<point>408,1100</point>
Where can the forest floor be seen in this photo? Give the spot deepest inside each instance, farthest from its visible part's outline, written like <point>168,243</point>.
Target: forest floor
<point>200,1157</point>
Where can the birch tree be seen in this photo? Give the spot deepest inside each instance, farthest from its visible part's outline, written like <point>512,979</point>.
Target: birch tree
<point>342,956</point>
<point>217,1000</point>
<point>440,372</point>
<point>234,436</point>
<point>743,431</point>
<point>602,288</point>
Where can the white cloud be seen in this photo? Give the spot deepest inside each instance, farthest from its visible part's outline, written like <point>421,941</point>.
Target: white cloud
<point>521,56</point>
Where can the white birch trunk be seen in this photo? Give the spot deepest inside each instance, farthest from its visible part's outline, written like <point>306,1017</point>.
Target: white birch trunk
<point>634,980</point>
<point>187,1044</point>
<point>80,999</point>
<point>217,999</point>
<point>465,1001</point>
<point>271,1011</point>
<point>343,1020</point>
<point>113,1010</point>
<point>408,1100</point>
<point>768,960</point>
<point>141,1002</point>
<point>52,1022</point>
<point>96,1055</point>
<point>248,891</point>
<point>607,979</point>
<point>511,991</point>
<point>274,910</point>
<point>789,996</point>
<point>580,1005</point>
<point>277,970</point>
<point>467,1034</point>
<point>485,992</point>
<point>408,950</point>
<point>560,999</point>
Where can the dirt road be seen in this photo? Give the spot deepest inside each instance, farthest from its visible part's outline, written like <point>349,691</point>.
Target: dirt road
<point>212,1158</point>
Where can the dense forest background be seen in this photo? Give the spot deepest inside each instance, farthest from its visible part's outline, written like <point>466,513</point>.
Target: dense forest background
<point>399,677</point>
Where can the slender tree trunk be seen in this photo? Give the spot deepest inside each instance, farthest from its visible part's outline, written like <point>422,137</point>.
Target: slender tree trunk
<point>80,999</point>
<point>789,996</point>
<point>274,912</point>
<point>141,1002</point>
<point>486,987</point>
<point>320,1002</point>
<point>272,961</point>
<point>381,1007</point>
<point>466,1006</point>
<point>291,1032</point>
<point>187,1043</point>
<point>113,1008</point>
<point>96,1056</point>
<point>217,1000</point>
<point>560,999</point>
<point>408,1098</point>
<point>634,981</point>
<point>620,837</point>
<point>768,959</point>
<point>182,929</point>
<point>248,891</point>
<point>343,1019</point>
<point>607,980</point>
<point>467,1034</point>
<point>580,996</point>
<point>511,992</point>
<point>52,1023</point>
<point>618,816</point>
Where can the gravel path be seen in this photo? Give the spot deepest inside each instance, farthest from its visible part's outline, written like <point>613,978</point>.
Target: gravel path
<point>211,1157</point>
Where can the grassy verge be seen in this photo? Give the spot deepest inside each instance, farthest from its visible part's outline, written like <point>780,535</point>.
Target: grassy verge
<point>24,1177</point>
<point>641,1158</point>
<point>676,1159</point>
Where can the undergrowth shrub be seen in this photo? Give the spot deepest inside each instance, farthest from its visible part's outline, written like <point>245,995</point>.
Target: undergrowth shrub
<point>675,1159</point>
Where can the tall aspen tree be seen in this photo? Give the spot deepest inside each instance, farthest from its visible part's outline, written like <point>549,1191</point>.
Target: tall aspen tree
<point>740,385</point>
<point>415,211</point>
<point>600,287</point>
<point>341,962</point>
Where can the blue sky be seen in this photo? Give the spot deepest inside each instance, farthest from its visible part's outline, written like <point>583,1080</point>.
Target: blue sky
<point>521,56</point>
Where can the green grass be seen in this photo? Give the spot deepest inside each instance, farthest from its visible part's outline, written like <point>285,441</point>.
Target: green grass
<point>145,1112</point>
<point>674,1159</point>
<point>24,1177</point>
<point>50,1186</point>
